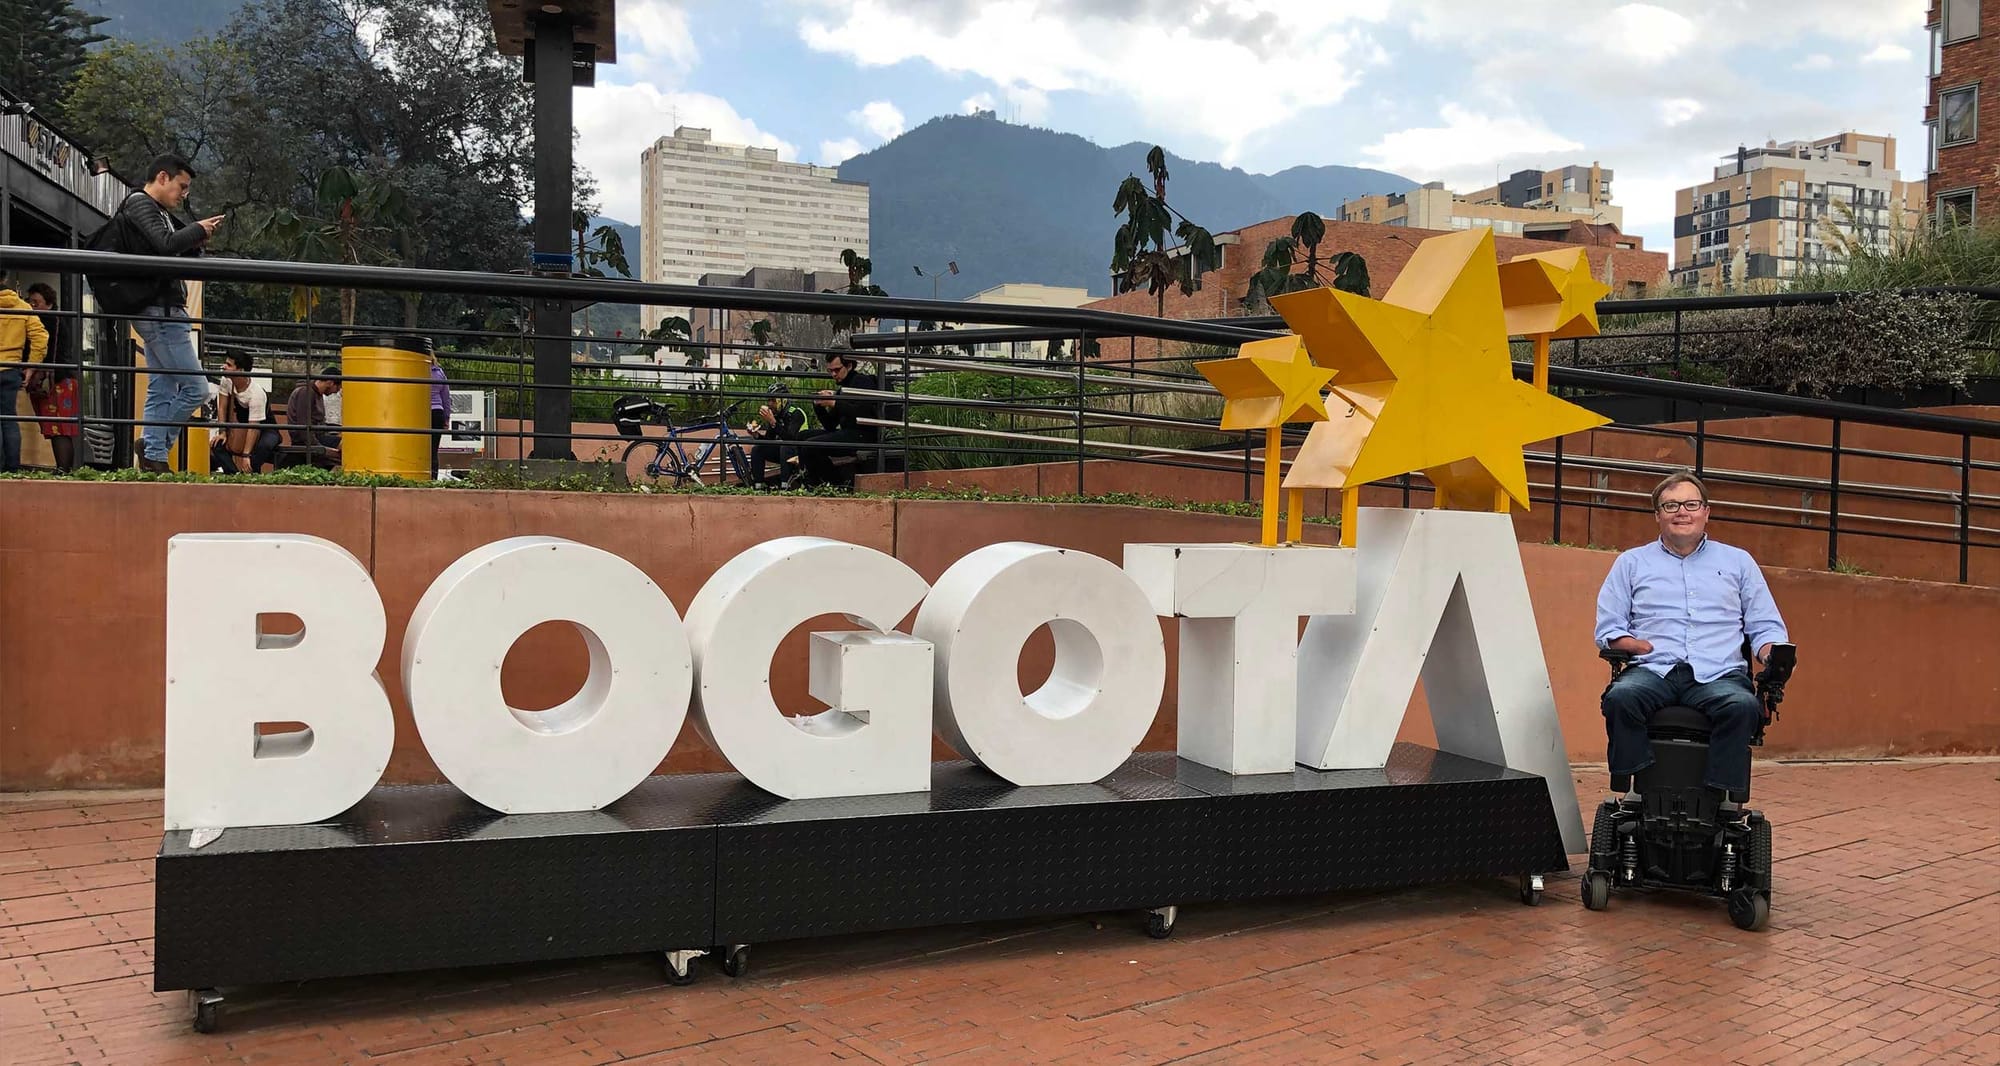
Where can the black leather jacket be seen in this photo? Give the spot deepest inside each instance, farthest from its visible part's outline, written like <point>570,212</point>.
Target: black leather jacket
<point>846,409</point>
<point>151,230</point>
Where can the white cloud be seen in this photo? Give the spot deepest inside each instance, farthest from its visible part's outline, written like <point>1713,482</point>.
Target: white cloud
<point>1227,69</point>
<point>1644,34</point>
<point>1887,52</point>
<point>1678,110</point>
<point>879,117</point>
<point>654,40</point>
<point>977,102</point>
<point>1464,151</point>
<point>616,122</point>
<point>1815,61</point>
<point>833,153</point>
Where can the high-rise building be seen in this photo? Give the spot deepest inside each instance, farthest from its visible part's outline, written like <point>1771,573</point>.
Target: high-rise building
<point>1775,211</point>
<point>1964,168</point>
<point>1530,203</point>
<point>711,208</point>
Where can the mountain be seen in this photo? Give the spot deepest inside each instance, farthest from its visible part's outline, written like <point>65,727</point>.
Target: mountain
<point>155,22</point>
<point>1016,203</point>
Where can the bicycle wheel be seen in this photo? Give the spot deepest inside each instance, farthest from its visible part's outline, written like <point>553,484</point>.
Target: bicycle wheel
<point>651,462</point>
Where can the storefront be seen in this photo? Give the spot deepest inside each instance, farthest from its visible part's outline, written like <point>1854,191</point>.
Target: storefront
<point>52,194</point>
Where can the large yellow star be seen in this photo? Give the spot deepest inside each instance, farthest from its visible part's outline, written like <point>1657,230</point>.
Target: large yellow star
<point>1447,391</point>
<point>1269,383</point>
<point>1551,293</point>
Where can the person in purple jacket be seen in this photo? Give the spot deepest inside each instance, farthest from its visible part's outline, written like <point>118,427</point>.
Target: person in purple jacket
<point>440,409</point>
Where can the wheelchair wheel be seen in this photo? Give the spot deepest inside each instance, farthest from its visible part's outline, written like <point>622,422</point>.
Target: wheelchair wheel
<point>1596,890</point>
<point>1749,909</point>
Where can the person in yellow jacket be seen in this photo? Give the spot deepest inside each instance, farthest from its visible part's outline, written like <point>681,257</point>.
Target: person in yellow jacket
<point>23,340</point>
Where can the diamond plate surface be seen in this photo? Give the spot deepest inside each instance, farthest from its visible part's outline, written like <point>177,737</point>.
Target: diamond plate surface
<point>416,877</point>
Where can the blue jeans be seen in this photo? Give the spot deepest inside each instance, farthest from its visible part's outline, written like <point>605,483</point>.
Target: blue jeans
<point>10,431</point>
<point>1730,704</point>
<point>169,397</point>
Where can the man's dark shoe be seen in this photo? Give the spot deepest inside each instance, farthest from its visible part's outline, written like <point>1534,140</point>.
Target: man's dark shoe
<point>152,466</point>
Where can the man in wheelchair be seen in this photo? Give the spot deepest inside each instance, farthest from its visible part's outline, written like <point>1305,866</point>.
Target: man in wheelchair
<point>1681,620</point>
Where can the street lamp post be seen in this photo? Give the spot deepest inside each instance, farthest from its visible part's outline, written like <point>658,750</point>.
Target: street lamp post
<point>936,275</point>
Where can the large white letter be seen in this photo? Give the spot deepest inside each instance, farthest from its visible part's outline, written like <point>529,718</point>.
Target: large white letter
<point>1110,668</point>
<point>1239,607</point>
<point>226,674</point>
<point>585,752</point>
<point>1442,594</point>
<point>877,736</point>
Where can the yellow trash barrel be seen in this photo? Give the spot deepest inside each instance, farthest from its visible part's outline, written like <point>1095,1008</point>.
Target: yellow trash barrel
<point>196,438</point>
<point>366,405</point>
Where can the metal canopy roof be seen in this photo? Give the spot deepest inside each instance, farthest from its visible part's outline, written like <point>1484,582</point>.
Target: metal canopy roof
<point>514,23</point>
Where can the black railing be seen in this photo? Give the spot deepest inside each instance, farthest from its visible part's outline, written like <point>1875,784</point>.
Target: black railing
<point>1119,406</point>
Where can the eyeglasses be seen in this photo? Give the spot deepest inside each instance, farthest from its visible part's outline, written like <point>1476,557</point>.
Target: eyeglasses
<point>1676,506</point>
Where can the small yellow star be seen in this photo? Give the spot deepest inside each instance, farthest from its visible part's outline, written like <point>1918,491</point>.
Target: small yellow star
<point>1269,383</point>
<point>1551,293</point>
<point>1447,391</point>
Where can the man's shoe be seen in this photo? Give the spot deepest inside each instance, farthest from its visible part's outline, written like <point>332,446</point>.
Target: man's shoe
<point>152,466</point>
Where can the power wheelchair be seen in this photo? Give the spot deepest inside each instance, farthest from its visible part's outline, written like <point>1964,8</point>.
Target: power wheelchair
<point>1678,836</point>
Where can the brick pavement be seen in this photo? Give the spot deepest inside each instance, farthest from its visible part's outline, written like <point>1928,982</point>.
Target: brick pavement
<point>1884,946</point>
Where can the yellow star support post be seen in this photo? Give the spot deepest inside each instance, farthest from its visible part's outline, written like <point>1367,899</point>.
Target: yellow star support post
<point>1550,296</point>
<point>1269,383</point>
<point>1430,362</point>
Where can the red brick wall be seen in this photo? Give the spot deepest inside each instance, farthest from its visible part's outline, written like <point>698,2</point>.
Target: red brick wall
<point>1386,248</point>
<point>1975,165</point>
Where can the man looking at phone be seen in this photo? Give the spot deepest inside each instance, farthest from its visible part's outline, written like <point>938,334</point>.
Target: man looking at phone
<point>176,388</point>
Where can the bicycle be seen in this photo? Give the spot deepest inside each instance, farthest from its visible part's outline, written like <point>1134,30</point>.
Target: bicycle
<point>668,457</point>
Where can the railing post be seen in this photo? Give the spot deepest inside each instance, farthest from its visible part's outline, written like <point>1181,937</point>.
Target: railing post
<point>1677,345</point>
<point>1556,517</point>
<point>1833,503</point>
<point>1964,508</point>
<point>1700,436</point>
<point>1248,492</point>
<point>1082,342</point>
<point>906,404</point>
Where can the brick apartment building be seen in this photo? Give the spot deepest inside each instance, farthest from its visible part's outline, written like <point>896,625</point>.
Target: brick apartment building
<point>1964,165</point>
<point>1616,259</point>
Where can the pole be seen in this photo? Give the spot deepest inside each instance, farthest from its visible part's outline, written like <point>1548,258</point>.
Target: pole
<point>1350,514</point>
<point>554,45</point>
<point>1542,362</point>
<point>1295,516</point>
<point>1271,442</point>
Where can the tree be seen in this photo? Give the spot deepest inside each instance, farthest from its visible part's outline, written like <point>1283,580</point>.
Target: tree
<point>858,268</point>
<point>43,47</point>
<point>596,249</point>
<point>1140,256</point>
<point>357,216</point>
<point>675,333</point>
<point>760,332</point>
<point>1346,271</point>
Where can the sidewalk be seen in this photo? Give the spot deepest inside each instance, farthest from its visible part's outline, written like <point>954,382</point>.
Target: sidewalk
<point>1884,946</point>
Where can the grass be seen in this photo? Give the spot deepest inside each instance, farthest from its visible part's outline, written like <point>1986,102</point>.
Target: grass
<point>510,478</point>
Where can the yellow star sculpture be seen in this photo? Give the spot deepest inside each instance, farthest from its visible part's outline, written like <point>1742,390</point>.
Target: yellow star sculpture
<point>1449,403</point>
<point>1269,383</point>
<point>1550,295</point>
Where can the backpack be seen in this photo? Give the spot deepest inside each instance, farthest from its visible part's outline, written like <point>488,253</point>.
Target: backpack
<point>118,294</point>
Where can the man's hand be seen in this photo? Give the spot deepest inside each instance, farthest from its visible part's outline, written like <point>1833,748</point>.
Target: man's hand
<point>824,398</point>
<point>1764,655</point>
<point>765,414</point>
<point>212,223</point>
<point>1631,644</point>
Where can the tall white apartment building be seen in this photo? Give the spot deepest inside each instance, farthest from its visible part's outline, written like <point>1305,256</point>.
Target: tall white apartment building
<point>713,208</point>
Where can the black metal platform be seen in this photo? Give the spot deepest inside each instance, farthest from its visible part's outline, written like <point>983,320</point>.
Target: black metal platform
<point>417,877</point>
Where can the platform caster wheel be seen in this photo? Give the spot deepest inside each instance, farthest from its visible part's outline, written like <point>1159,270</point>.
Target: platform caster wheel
<point>207,1009</point>
<point>1596,890</point>
<point>736,960</point>
<point>678,966</point>
<point>1160,922</point>
<point>1531,890</point>
<point>1751,911</point>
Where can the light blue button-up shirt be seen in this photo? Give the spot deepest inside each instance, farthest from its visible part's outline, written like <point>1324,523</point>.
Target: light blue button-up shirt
<point>1694,610</point>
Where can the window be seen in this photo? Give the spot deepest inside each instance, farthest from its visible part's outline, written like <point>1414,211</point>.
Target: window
<point>1930,147</point>
<point>1956,208</point>
<point>1961,20</point>
<point>1958,115</point>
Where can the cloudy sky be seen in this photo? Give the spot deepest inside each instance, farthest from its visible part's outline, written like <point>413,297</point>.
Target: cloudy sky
<point>1452,90</point>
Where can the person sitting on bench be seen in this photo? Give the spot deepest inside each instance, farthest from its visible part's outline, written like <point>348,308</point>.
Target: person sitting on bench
<point>841,420</point>
<point>1683,606</point>
<point>305,415</point>
<point>249,427</point>
<point>777,428</point>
